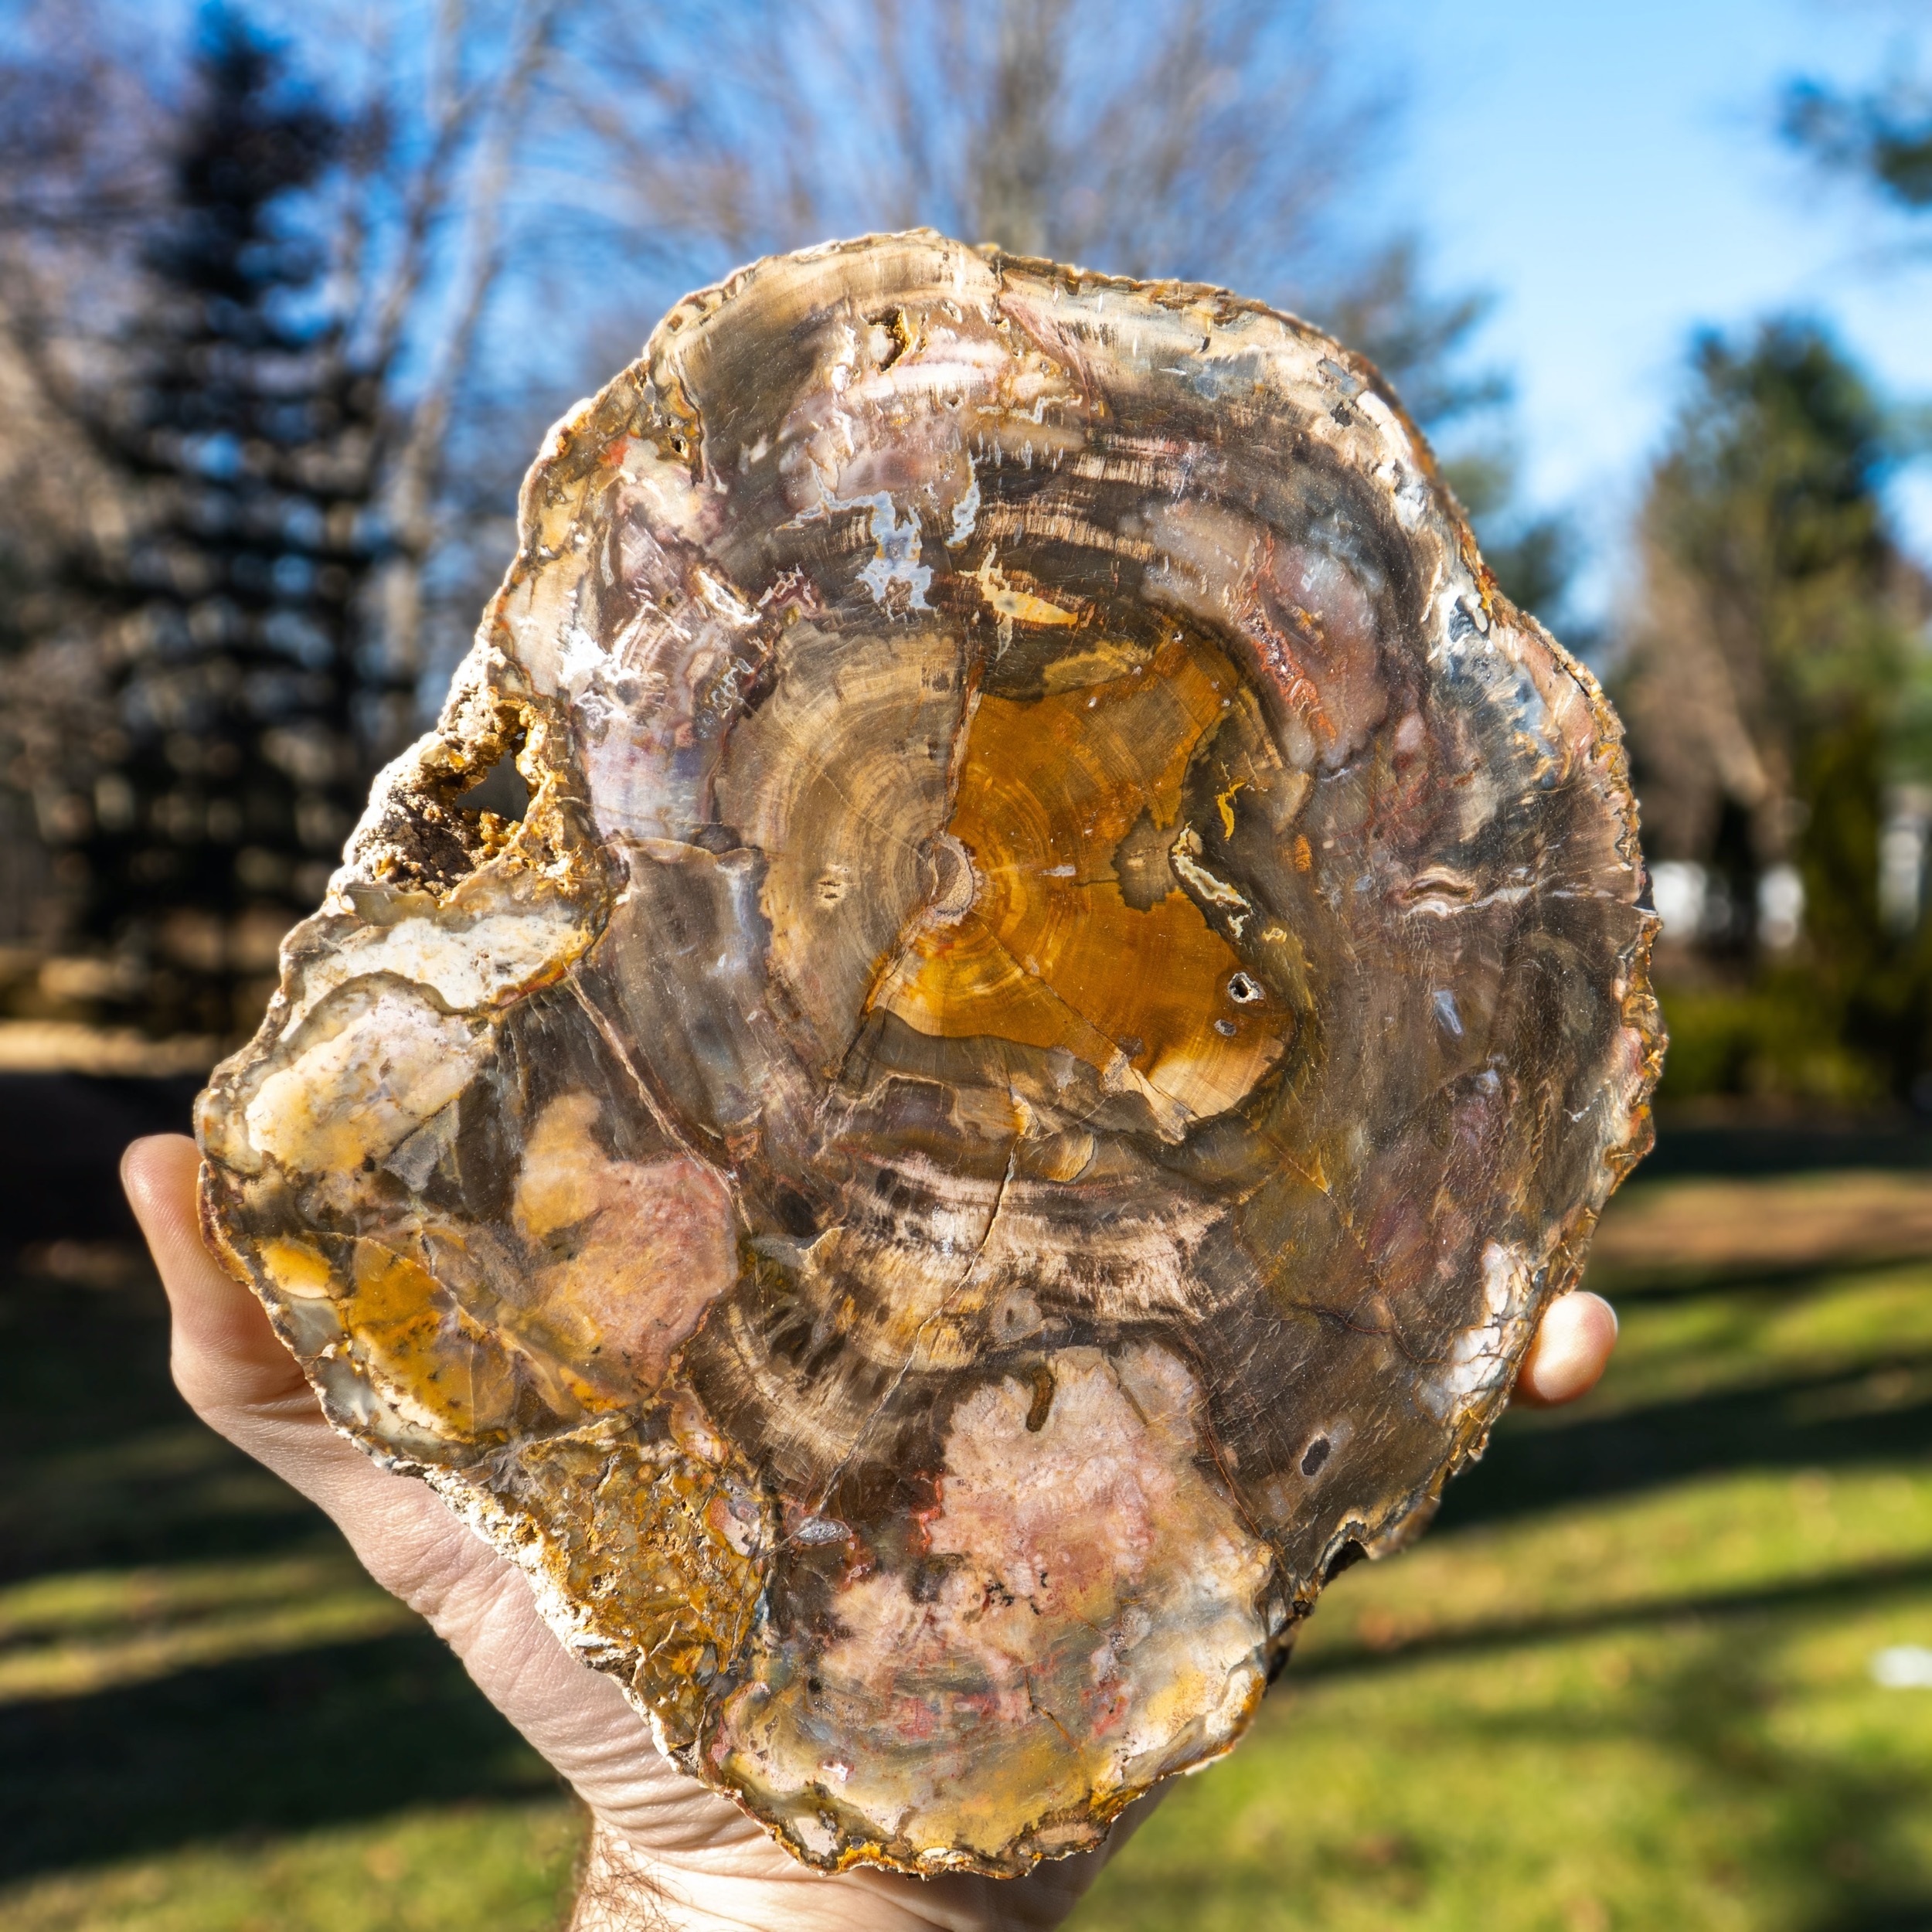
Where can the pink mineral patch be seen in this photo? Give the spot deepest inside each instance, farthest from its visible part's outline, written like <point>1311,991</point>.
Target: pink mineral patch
<point>644,1246</point>
<point>1088,1614</point>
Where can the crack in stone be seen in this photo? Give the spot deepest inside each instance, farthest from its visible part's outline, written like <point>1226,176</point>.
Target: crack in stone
<point>952,1294</point>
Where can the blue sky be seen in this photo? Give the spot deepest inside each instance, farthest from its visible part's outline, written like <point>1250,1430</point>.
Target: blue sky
<point>1609,169</point>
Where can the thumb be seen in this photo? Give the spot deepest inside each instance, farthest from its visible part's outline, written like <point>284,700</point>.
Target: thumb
<point>227,1359</point>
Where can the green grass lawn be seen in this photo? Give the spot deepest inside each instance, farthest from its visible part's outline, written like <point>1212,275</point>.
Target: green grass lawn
<point>1626,1682</point>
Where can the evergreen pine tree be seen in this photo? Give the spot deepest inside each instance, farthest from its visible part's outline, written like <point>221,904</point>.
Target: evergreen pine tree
<point>1776,690</point>
<point>243,738</point>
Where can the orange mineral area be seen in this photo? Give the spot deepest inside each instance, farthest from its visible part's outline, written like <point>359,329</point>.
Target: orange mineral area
<point>1048,952</point>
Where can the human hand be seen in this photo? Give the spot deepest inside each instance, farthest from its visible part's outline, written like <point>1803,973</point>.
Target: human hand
<point>665,1852</point>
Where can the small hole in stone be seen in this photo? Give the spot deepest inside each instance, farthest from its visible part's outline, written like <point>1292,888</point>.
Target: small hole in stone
<point>1351,1553</point>
<point>1225,1028</point>
<point>1315,1456</point>
<point>795,1214</point>
<point>896,336</point>
<point>502,789</point>
<point>1244,990</point>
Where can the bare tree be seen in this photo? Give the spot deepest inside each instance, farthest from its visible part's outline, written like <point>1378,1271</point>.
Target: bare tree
<point>503,154</point>
<point>435,101</point>
<point>450,203</point>
<point>189,696</point>
<point>1225,141</point>
<point>586,161</point>
<point>1212,139</point>
<point>1029,76</point>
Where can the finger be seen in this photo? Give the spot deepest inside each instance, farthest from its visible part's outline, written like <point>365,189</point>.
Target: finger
<point>1570,1351</point>
<point>226,1354</point>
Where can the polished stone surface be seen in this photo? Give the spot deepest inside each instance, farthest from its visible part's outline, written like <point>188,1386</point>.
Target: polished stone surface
<point>1071,983</point>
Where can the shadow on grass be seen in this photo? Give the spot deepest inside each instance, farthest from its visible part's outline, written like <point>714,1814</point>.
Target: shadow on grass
<point>1781,1827</point>
<point>102,1464</point>
<point>1903,1915</point>
<point>1765,1149</point>
<point>61,1137</point>
<point>1540,1462</point>
<point>1652,1283</point>
<point>1867,1584</point>
<point>326,1736</point>
<point>1825,1830</point>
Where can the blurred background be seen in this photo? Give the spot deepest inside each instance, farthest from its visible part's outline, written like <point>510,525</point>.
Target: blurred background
<point>288,294</point>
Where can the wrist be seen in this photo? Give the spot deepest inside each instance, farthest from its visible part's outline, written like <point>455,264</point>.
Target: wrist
<point>617,1891</point>
<point>622,1889</point>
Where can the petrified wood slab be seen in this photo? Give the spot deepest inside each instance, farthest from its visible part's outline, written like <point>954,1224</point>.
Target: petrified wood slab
<point>1071,983</point>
